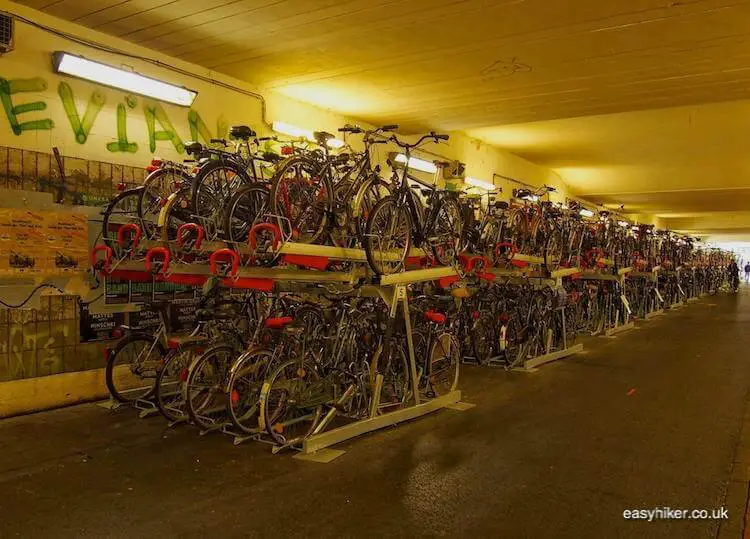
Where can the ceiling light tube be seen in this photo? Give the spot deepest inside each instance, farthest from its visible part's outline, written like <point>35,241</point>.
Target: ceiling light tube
<point>531,198</point>
<point>479,183</point>
<point>585,212</point>
<point>417,164</point>
<point>122,79</point>
<point>292,130</point>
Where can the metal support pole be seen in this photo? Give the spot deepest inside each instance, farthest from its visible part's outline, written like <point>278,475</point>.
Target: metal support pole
<point>410,343</point>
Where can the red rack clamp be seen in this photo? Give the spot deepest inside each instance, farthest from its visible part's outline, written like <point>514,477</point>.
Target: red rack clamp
<point>106,262</point>
<point>229,256</point>
<point>183,232</point>
<point>252,237</point>
<point>135,238</point>
<point>165,256</point>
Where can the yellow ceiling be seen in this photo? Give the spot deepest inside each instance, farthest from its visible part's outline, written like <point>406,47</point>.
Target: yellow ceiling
<point>580,85</point>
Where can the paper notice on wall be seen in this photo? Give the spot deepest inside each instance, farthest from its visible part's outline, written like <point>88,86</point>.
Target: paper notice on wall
<point>28,250</point>
<point>67,234</point>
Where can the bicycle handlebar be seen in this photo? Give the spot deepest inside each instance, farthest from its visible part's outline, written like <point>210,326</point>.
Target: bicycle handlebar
<point>405,145</point>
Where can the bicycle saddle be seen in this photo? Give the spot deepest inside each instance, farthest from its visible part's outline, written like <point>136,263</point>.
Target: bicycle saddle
<point>193,148</point>
<point>435,317</point>
<point>279,322</point>
<point>321,137</point>
<point>501,205</point>
<point>241,132</point>
<point>521,193</point>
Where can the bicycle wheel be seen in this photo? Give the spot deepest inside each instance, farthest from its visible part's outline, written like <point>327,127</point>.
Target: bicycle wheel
<point>249,206</point>
<point>205,398</point>
<point>245,383</point>
<point>156,189</point>
<point>132,366</point>
<point>387,237</point>
<point>169,391</point>
<point>213,187</point>
<point>123,209</point>
<point>490,237</point>
<point>301,199</point>
<point>553,250</point>
<point>447,232</point>
<point>176,212</point>
<point>484,339</point>
<point>291,403</point>
<point>396,378</point>
<point>444,358</point>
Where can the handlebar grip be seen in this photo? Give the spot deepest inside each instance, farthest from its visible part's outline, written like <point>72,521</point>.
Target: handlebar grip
<point>442,137</point>
<point>218,141</point>
<point>389,127</point>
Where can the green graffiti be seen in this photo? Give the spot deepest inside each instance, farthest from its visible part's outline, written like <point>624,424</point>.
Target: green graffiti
<point>154,113</point>
<point>11,87</point>
<point>122,144</point>
<point>81,128</point>
<point>199,129</point>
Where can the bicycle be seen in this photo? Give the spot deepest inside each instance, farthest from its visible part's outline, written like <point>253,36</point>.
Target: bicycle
<point>395,222</point>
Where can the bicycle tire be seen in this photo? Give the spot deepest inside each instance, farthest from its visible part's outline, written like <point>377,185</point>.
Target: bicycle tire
<point>373,239</point>
<point>244,390</point>
<point>451,223</point>
<point>157,187</point>
<point>114,380</point>
<point>272,409</point>
<point>123,209</point>
<point>310,193</point>
<point>212,188</point>
<point>207,409</point>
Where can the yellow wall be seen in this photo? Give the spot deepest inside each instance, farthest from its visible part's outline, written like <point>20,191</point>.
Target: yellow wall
<point>28,67</point>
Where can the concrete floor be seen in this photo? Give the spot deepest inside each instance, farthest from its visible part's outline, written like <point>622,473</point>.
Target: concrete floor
<point>651,418</point>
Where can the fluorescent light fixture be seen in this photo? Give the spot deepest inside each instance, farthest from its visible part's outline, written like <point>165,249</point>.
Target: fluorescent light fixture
<point>292,130</point>
<point>479,183</point>
<point>76,66</point>
<point>623,224</point>
<point>335,143</point>
<point>418,164</point>
<point>585,212</point>
<point>530,198</point>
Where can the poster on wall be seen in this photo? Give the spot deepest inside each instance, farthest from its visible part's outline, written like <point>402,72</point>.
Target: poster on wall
<point>67,238</point>
<point>28,250</point>
<point>116,291</point>
<point>141,292</point>
<point>183,314</point>
<point>144,320</point>
<point>98,327</point>
<point>42,242</point>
